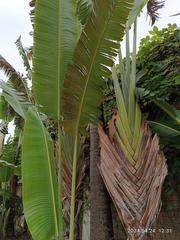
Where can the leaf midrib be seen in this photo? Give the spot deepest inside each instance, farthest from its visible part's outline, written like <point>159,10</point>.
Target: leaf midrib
<point>165,126</point>
<point>59,61</point>
<point>90,70</point>
<point>50,173</point>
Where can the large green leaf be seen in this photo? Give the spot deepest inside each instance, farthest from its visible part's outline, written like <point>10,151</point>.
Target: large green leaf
<point>55,35</point>
<point>39,180</point>
<point>95,52</point>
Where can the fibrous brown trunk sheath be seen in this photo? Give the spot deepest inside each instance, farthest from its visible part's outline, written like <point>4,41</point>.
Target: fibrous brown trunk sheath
<point>134,180</point>
<point>101,222</point>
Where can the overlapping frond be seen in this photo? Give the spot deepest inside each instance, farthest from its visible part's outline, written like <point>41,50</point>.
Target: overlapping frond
<point>15,99</point>
<point>24,56</point>
<point>95,52</point>
<point>136,10</point>
<point>7,68</point>
<point>14,77</point>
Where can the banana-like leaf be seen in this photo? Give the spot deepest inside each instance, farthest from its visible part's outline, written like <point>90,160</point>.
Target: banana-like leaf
<point>95,52</point>
<point>55,35</point>
<point>84,9</point>
<point>25,59</point>
<point>164,130</point>
<point>15,99</point>
<point>169,109</point>
<point>39,179</point>
<point>169,132</point>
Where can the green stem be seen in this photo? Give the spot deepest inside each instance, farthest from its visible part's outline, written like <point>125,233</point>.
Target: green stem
<point>131,107</point>
<point>60,184</point>
<point>128,62</point>
<point>123,81</point>
<point>73,189</point>
<point>134,55</point>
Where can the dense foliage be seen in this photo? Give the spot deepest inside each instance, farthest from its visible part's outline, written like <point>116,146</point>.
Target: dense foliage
<point>159,58</point>
<point>158,64</point>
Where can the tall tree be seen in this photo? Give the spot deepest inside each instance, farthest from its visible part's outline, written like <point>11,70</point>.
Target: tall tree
<point>132,165</point>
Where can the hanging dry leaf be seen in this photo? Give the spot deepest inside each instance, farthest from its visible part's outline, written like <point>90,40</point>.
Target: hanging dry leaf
<point>67,177</point>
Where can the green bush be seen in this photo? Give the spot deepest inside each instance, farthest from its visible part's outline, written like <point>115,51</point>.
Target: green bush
<point>159,58</point>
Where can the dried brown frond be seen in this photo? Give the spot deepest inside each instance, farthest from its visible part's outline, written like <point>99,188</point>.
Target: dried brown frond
<point>67,181</point>
<point>32,3</point>
<point>7,68</point>
<point>14,77</point>
<point>175,15</point>
<point>32,12</point>
<point>153,7</point>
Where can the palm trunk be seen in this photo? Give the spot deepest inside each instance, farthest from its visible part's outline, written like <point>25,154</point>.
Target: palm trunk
<point>100,220</point>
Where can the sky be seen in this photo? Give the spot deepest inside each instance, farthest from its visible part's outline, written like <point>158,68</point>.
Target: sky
<point>171,7</point>
<point>15,21</point>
